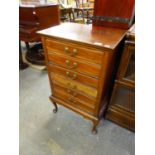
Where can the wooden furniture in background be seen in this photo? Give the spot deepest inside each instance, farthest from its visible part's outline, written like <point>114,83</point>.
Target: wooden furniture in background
<point>66,10</point>
<point>122,104</point>
<point>34,16</point>
<point>80,62</point>
<point>114,13</point>
<point>85,7</point>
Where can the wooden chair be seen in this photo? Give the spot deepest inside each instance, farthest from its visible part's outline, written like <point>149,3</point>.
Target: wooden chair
<point>85,7</point>
<point>66,10</point>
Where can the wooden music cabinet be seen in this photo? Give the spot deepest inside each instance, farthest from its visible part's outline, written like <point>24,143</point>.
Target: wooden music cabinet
<point>122,104</point>
<point>80,61</point>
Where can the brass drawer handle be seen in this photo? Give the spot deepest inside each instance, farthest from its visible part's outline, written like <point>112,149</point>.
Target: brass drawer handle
<point>75,64</point>
<point>74,76</point>
<point>66,50</point>
<point>75,52</point>
<point>68,74</point>
<point>67,62</point>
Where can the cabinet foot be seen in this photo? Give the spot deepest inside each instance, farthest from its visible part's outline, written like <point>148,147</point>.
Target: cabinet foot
<point>94,130</point>
<point>56,107</point>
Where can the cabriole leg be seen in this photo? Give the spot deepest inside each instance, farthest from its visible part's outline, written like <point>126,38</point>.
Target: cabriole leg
<point>56,107</point>
<point>94,130</point>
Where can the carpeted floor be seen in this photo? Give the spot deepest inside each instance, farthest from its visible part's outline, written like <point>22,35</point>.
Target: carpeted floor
<point>66,133</point>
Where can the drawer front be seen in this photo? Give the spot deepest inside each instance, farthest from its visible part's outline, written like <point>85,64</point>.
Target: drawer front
<point>72,101</point>
<point>75,64</point>
<point>73,75</point>
<point>89,102</point>
<point>74,50</point>
<point>70,84</point>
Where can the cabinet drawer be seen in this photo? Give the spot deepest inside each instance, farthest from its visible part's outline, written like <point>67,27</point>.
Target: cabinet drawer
<point>73,75</point>
<point>87,90</point>
<point>75,64</point>
<point>74,50</point>
<point>89,102</point>
<point>72,101</point>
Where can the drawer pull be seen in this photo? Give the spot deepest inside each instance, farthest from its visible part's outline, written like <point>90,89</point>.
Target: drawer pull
<point>66,49</point>
<point>67,74</point>
<point>75,52</point>
<point>67,62</point>
<point>75,64</point>
<point>74,76</point>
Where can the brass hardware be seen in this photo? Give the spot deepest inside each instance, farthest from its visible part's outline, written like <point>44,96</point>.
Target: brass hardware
<point>74,52</point>
<point>75,64</point>
<point>67,74</point>
<point>67,62</point>
<point>74,76</point>
<point>66,49</point>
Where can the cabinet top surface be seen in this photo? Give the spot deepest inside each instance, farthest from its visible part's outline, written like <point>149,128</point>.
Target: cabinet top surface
<point>93,35</point>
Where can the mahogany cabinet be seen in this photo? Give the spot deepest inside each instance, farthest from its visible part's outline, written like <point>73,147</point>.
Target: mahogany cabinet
<point>80,60</point>
<point>122,104</point>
